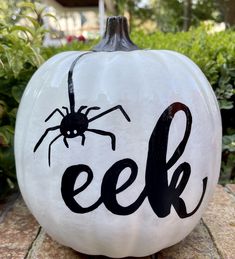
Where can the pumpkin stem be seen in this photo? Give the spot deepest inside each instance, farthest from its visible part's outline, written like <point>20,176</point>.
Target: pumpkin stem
<point>116,36</point>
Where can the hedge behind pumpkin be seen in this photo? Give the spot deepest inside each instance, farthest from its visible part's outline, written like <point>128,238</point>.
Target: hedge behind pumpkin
<point>214,53</point>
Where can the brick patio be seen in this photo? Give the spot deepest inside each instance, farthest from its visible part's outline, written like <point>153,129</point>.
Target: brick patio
<point>214,237</point>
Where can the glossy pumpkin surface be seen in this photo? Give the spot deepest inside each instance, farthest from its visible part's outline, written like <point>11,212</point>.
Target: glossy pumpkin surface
<point>132,176</point>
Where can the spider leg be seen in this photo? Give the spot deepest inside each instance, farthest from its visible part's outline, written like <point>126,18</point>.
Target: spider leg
<point>91,108</point>
<point>56,110</point>
<point>66,142</point>
<point>82,108</point>
<point>111,110</point>
<point>49,149</point>
<point>66,109</point>
<point>83,139</point>
<point>43,136</point>
<point>105,133</point>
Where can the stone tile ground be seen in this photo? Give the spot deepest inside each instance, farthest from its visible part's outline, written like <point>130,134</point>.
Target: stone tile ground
<point>214,237</point>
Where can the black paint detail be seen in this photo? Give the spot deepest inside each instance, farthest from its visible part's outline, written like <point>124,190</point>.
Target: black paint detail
<point>71,84</point>
<point>116,36</point>
<point>157,166</point>
<point>161,193</point>
<point>67,188</point>
<point>109,187</point>
<point>74,124</point>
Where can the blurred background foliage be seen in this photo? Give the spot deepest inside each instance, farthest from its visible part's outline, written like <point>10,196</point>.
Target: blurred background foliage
<point>22,52</point>
<point>176,15</point>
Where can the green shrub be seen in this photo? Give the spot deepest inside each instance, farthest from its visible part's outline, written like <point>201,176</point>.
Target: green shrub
<point>20,55</point>
<point>21,52</point>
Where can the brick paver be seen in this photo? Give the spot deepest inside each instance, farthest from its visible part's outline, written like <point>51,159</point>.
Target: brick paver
<point>220,221</point>
<point>214,237</point>
<point>18,230</point>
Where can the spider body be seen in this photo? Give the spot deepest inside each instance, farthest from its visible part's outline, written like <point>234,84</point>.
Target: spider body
<point>76,123</point>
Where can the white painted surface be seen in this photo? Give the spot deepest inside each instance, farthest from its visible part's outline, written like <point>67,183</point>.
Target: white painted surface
<point>145,83</point>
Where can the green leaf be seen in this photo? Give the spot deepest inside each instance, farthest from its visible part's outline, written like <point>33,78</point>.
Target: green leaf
<point>13,113</point>
<point>32,20</point>
<point>17,92</point>
<point>50,15</point>
<point>26,5</point>
<point>229,143</point>
<point>37,57</point>
<point>1,63</point>
<point>3,104</point>
<point>10,183</point>
<point>225,104</point>
<point>39,8</point>
<point>3,109</point>
<point>6,136</point>
<point>4,142</point>
<point>23,29</point>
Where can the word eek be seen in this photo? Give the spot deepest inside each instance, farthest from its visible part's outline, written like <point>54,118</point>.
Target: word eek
<point>160,194</point>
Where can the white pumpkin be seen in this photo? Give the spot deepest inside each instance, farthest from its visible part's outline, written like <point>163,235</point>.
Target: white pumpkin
<point>132,177</point>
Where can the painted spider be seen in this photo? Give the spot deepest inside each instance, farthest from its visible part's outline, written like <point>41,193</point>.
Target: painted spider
<point>75,123</point>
